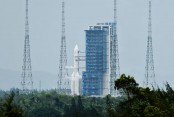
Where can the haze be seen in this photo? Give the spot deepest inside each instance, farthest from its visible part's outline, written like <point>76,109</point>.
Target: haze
<point>45,35</point>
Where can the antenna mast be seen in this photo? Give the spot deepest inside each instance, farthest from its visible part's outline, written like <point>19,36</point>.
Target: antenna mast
<point>63,56</point>
<point>117,53</point>
<point>149,69</point>
<point>115,10</point>
<point>27,83</point>
<point>115,68</point>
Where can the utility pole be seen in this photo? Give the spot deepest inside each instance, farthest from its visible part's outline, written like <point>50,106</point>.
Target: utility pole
<point>27,83</point>
<point>63,56</point>
<point>149,68</point>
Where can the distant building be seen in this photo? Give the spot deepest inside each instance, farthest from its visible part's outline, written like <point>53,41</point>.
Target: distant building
<point>100,61</point>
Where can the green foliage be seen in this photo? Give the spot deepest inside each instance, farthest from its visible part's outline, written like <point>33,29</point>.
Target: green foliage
<point>152,111</point>
<point>126,84</point>
<point>8,109</point>
<point>143,102</point>
<point>135,101</point>
<point>110,107</point>
<point>51,104</point>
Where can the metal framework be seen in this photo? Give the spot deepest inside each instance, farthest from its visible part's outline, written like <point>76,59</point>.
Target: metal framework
<point>115,68</point>
<point>149,69</point>
<point>95,62</point>
<point>101,69</point>
<point>27,83</point>
<point>63,72</point>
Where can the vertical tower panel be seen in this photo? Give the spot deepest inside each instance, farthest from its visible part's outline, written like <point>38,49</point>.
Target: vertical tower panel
<point>115,67</point>
<point>27,83</point>
<point>63,73</point>
<point>149,68</point>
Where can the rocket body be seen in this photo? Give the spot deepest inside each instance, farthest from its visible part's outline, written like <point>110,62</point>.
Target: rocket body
<point>76,77</point>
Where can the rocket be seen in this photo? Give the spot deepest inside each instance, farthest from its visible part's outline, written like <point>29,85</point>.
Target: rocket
<point>76,77</point>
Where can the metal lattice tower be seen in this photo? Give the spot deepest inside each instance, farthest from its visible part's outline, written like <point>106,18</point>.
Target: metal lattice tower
<point>115,68</point>
<point>116,43</point>
<point>149,69</point>
<point>27,83</point>
<point>63,56</point>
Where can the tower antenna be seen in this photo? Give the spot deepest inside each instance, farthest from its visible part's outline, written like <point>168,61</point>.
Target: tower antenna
<point>115,68</point>
<point>63,56</point>
<point>116,43</point>
<point>115,10</point>
<point>27,83</point>
<point>149,68</point>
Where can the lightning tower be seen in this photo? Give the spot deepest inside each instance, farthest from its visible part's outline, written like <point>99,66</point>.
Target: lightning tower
<point>115,68</point>
<point>27,83</point>
<point>149,69</point>
<point>63,56</point>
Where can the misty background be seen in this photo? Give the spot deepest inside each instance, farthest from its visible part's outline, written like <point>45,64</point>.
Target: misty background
<point>45,36</point>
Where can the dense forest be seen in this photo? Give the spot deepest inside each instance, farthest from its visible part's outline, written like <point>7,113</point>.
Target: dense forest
<point>134,101</point>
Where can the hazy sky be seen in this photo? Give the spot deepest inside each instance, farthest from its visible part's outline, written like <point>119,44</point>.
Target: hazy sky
<point>45,33</point>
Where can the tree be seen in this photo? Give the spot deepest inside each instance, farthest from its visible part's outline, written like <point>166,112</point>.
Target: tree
<point>66,111</point>
<point>109,107</point>
<point>8,109</point>
<point>152,111</point>
<point>80,107</point>
<point>73,108</point>
<point>127,84</point>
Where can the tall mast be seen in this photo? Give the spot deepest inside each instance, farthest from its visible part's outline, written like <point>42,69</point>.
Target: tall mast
<point>149,69</point>
<point>63,56</point>
<point>117,52</point>
<point>27,83</point>
<point>115,11</point>
<point>115,68</point>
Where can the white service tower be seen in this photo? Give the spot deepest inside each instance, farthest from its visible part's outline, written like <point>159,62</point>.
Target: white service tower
<point>76,80</point>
